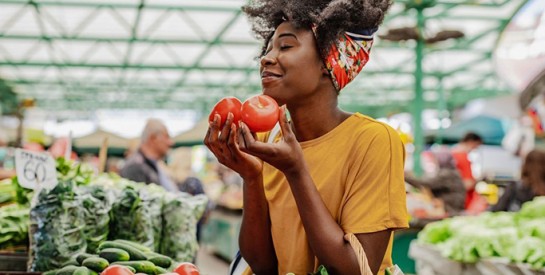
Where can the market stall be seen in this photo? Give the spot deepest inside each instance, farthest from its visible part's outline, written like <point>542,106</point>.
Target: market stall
<point>491,243</point>
<point>87,222</point>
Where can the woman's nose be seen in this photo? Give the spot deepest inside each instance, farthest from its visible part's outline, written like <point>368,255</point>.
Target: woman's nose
<point>268,59</point>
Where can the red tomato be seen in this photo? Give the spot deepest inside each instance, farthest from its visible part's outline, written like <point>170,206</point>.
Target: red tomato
<point>224,106</point>
<point>187,269</point>
<point>117,270</point>
<point>260,113</point>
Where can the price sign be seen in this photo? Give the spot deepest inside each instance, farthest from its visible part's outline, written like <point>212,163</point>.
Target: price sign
<point>35,169</point>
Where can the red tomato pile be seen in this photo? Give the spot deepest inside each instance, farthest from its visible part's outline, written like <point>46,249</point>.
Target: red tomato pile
<point>182,269</point>
<point>259,112</point>
<point>117,270</point>
<point>187,269</point>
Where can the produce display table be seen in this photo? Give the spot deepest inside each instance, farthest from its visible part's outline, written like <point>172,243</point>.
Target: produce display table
<point>430,262</point>
<point>13,262</point>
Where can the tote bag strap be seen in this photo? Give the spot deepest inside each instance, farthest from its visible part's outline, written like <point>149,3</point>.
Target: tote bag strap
<point>360,254</point>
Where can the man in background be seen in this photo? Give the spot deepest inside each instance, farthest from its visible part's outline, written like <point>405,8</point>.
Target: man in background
<point>143,166</point>
<point>460,152</point>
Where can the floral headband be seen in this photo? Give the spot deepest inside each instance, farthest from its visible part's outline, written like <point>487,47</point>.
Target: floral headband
<point>347,57</point>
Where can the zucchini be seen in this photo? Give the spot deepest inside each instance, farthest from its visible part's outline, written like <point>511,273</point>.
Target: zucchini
<point>114,255</point>
<point>81,257</point>
<point>140,266</point>
<point>82,270</point>
<point>136,245</point>
<point>159,260</point>
<point>135,254</point>
<point>95,263</point>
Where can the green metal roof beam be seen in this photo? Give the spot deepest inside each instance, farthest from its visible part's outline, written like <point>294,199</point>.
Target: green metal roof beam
<point>82,4</point>
<point>173,67</point>
<point>50,46</point>
<point>134,34</point>
<point>465,2</point>
<point>467,66</point>
<point>205,52</point>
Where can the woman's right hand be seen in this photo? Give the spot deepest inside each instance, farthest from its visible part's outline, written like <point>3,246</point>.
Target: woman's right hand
<point>224,145</point>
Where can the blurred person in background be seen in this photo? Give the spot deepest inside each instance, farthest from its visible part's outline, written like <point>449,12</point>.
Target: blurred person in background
<point>460,152</point>
<point>143,166</point>
<point>531,184</point>
<point>446,185</point>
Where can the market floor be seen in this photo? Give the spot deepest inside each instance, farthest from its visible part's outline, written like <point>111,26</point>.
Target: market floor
<point>210,264</point>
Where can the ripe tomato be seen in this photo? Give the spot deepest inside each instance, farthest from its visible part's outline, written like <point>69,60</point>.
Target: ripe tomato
<point>187,269</point>
<point>224,106</point>
<point>260,113</point>
<point>117,270</point>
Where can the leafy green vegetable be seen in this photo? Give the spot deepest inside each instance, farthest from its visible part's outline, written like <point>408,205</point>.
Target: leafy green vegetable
<point>56,227</point>
<point>436,232</point>
<point>180,215</point>
<point>7,191</point>
<point>529,250</point>
<point>22,195</point>
<point>136,216</point>
<point>14,221</point>
<point>79,173</point>
<point>96,204</point>
<point>468,239</point>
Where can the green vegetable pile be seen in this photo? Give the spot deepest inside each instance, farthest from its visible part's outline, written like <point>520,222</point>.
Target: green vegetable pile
<point>14,221</point>
<point>140,210</point>
<point>519,237</point>
<point>84,211</point>
<point>7,191</point>
<point>181,213</point>
<point>56,227</point>
<point>137,257</point>
<point>96,203</point>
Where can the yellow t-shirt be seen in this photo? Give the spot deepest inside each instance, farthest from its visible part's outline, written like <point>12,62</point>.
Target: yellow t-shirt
<point>358,170</point>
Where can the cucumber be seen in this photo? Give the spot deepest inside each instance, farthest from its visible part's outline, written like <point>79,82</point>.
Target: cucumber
<point>159,260</point>
<point>72,261</point>
<point>160,270</point>
<point>81,257</point>
<point>114,255</point>
<point>135,254</point>
<point>140,266</point>
<point>67,270</point>
<point>95,263</point>
<point>82,270</point>
<point>136,245</point>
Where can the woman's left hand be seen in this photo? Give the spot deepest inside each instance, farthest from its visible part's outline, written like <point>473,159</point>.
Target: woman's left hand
<point>286,155</point>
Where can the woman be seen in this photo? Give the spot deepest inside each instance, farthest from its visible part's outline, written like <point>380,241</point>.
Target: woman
<point>328,172</point>
<point>446,185</point>
<point>532,183</point>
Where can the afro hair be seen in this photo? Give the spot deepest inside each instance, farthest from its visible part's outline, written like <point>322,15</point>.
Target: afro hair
<point>331,18</point>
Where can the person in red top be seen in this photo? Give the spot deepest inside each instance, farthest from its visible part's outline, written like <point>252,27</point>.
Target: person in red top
<point>460,152</point>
